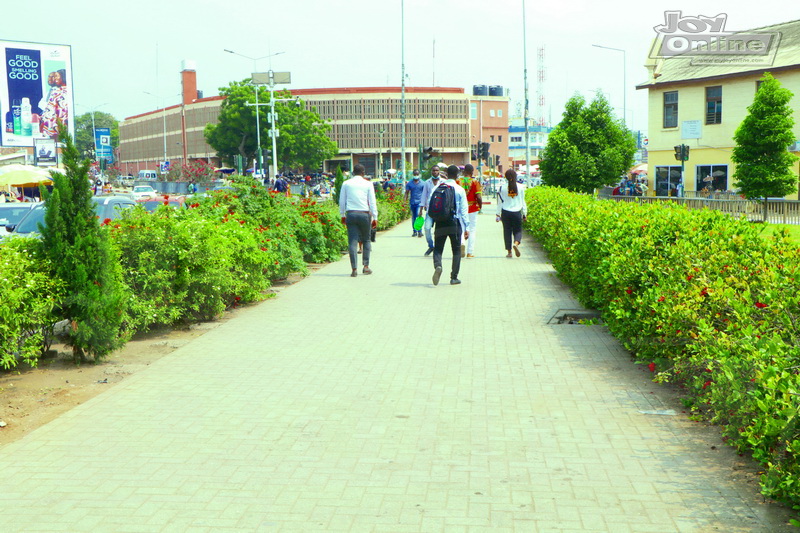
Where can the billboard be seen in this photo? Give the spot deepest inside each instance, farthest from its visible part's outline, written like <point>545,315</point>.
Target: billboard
<point>35,91</point>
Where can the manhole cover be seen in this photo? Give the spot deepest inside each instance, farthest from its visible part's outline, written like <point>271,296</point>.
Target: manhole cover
<point>576,316</point>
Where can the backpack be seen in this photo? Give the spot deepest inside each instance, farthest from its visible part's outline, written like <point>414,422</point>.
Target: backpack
<point>442,206</point>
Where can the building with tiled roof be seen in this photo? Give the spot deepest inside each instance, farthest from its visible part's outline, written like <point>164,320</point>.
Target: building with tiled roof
<point>700,97</point>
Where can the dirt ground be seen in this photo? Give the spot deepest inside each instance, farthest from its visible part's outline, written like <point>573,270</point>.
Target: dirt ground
<point>32,397</point>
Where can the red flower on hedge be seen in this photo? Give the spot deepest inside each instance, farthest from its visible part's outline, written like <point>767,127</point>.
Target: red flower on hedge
<point>661,299</point>
<point>106,222</point>
<point>706,384</point>
<point>761,305</point>
<point>652,367</point>
<point>629,291</point>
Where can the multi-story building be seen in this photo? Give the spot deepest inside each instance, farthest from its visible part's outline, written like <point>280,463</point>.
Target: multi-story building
<point>537,139</point>
<point>488,123</point>
<point>686,99</point>
<point>173,133</point>
<point>366,124</point>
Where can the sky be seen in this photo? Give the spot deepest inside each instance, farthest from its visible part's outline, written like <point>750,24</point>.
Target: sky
<point>123,51</point>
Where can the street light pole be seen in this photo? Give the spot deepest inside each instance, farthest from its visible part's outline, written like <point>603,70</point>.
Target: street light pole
<point>624,81</point>
<point>259,156</point>
<point>403,91</point>
<point>527,114</point>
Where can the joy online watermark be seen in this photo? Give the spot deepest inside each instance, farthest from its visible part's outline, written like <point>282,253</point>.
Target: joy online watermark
<point>705,40</point>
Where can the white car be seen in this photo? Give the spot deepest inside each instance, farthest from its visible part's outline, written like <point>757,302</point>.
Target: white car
<point>143,191</point>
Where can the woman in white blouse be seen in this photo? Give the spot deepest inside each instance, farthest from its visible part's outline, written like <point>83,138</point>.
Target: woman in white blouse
<point>512,211</point>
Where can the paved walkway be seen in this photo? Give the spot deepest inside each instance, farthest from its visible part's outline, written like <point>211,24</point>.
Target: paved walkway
<point>383,403</point>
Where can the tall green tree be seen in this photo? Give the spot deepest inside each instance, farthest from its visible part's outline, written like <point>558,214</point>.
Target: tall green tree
<point>588,149</point>
<point>763,161</point>
<point>84,135</point>
<point>303,142</point>
<point>84,260</point>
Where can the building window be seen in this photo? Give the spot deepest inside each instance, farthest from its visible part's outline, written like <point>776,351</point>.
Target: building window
<point>500,113</point>
<point>667,180</point>
<point>491,138</point>
<point>758,84</point>
<point>516,139</point>
<point>499,138</point>
<point>712,178</point>
<point>714,105</point>
<point>671,109</point>
<point>491,112</point>
<point>473,111</point>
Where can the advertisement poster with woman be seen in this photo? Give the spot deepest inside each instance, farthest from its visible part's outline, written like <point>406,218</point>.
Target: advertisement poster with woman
<point>35,92</point>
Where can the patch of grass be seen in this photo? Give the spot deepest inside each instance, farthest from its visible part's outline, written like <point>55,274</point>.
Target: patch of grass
<point>793,229</point>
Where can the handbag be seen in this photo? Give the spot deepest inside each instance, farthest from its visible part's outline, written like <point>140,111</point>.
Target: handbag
<point>419,223</point>
<point>373,232</point>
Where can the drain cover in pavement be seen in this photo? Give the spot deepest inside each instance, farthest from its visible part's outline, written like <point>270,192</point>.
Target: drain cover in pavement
<point>575,316</point>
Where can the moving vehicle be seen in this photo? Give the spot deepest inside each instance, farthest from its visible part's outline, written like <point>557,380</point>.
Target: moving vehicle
<point>105,207</point>
<point>144,191</point>
<point>148,175</point>
<point>175,202</point>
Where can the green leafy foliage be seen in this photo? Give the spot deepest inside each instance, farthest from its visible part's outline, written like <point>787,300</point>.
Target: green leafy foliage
<point>27,308</point>
<point>338,180</point>
<point>763,161</point>
<point>84,132</point>
<point>588,149</point>
<point>83,259</point>
<point>704,300</point>
<point>303,134</point>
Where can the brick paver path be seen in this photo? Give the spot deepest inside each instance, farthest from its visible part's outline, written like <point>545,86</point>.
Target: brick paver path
<point>383,403</point>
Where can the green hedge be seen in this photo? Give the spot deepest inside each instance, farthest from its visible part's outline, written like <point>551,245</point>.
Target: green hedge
<point>703,300</point>
<point>185,265</point>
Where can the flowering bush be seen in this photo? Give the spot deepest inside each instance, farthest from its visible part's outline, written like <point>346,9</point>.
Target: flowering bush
<point>30,296</point>
<point>700,298</point>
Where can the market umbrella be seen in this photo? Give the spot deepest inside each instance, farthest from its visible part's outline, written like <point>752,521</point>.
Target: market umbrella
<point>23,175</point>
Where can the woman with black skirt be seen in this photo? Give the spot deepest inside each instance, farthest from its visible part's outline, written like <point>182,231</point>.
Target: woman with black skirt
<point>512,211</point>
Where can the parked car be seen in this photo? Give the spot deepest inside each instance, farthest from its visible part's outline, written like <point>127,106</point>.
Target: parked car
<point>105,207</point>
<point>12,212</point>
<point>143,191</point>
<point>148,175</point>
<point>175,202</point>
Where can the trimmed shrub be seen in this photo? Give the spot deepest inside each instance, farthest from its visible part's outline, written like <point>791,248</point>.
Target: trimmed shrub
<point>702,299</point>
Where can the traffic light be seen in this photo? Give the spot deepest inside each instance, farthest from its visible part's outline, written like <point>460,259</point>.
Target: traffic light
<point>427,153</point>
<point>473,153</point>
<point>267,155</point>
<point>484,151</point>
<point>682,152</point>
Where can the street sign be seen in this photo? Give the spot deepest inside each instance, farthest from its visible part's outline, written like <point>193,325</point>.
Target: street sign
<point>164,167</point>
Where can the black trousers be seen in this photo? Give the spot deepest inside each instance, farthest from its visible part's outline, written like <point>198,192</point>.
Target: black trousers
<point>442,232</point>
<point>512,226</point>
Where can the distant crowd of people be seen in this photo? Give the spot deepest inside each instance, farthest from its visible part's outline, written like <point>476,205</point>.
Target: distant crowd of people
<point>443,208</point>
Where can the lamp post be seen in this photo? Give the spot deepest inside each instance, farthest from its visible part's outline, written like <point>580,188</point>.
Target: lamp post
<point>527,113</point>
<point>624,81</point>
<point>403,91</point>
<point>260,163</point>
<point>380,151</point>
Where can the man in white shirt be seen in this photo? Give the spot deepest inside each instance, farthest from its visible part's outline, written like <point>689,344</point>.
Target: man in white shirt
<point>452,229</point>
<point>359,211</point>
<point>427,191</point>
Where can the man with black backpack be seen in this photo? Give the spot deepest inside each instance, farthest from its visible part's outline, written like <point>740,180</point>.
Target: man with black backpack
<point>448,210</point>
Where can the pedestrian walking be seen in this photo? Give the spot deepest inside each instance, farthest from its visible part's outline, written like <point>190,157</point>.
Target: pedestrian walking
<point>430,185</point>
<point>512,211</point>
<point>413,195</point>
<point>448,209</point>
<point>474,205</point>
<point>359,211</point>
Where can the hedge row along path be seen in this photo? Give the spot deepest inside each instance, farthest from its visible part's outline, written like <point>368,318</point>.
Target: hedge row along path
<point>384,403</point>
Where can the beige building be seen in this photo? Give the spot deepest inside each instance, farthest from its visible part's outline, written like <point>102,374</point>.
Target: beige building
<point>366,124</point>
<point>701,104</point>
<point>173,133</point>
